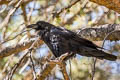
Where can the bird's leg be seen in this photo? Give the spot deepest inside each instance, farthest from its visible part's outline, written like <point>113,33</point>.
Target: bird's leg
<point>62,57</point>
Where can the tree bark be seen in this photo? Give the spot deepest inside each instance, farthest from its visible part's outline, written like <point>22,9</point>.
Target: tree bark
<point>18,48</point>
<point>98,33</point>
<point>111,4</point>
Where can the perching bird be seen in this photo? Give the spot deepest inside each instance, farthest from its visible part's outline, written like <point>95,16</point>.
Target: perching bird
<point>61,41</point>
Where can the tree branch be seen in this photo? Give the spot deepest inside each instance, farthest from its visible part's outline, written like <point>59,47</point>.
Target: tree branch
<point>111,4</point>
<point>10,13</point>
<point>97,33</point>
<point>18,48</point>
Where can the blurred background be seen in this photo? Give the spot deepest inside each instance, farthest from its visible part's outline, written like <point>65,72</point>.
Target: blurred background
<point>82,14</point>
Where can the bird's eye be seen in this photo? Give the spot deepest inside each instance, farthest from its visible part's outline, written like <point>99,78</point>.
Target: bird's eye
<point>39,26</point>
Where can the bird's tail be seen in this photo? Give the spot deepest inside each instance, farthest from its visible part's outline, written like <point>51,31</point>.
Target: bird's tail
<point>105,55</point>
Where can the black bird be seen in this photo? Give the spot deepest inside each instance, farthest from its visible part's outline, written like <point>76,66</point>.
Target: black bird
<point>61,41</point>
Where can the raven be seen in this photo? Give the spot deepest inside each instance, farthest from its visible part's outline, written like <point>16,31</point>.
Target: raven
<point>61,41</point>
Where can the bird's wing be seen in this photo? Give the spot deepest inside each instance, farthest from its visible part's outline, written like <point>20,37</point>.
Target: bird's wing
<point>58,44</point>
<point>69,35</point>
<point>62,37</point>
<point>62,32</point>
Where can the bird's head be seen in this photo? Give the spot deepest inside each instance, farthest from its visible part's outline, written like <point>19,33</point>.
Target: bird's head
<point>40,25</point>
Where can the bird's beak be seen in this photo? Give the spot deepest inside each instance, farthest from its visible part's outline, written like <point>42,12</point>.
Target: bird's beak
<point>33,26</point>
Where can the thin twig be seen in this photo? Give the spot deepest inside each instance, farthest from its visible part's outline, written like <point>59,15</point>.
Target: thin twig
<point>30,12</point>
<point>10,74</point>
<point>7,64</point>
<point>14,37</point>
<point>59,12</point>
<point>51,64</point>
<point>10,13</point>
<point>100,18</point>
<point>60,61</point>
<point>24,67</point>
<point>33,66</point>
<point>70,20</point>
<point>25,17</point>
<point>63,67</point>
<point>70,69</point>
<point>94,68</point>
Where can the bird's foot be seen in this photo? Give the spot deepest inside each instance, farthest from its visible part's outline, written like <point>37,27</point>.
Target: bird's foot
<point>62,57</point>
